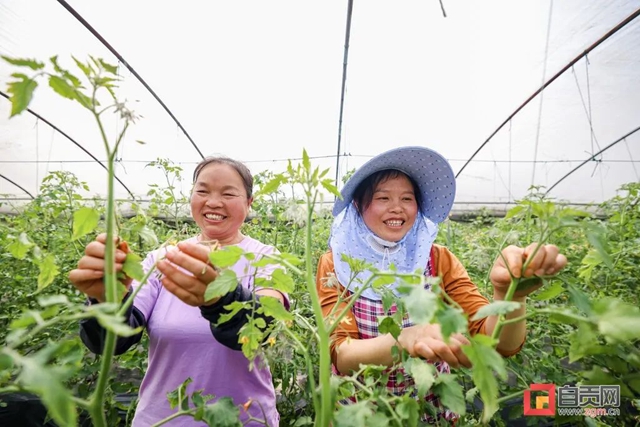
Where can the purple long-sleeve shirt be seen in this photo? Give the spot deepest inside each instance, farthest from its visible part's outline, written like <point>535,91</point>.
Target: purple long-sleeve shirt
<point>181,346</point>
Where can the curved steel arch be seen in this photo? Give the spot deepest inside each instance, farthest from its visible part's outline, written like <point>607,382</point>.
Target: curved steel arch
<point>17,185</point>
<point>130,68</point>
<point>75,142</point>
<point>611,32</point>
<point>591,158</point>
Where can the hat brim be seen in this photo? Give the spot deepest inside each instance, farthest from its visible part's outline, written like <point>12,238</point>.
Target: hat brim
<point>431,171</point>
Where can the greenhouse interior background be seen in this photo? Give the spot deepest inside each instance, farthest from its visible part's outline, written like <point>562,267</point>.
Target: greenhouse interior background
<point>259,81</point>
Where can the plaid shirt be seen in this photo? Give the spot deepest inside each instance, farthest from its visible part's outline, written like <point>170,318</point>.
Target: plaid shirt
<point>366,313</point>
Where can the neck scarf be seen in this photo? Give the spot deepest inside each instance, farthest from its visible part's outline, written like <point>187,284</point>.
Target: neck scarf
<point>351,236</point>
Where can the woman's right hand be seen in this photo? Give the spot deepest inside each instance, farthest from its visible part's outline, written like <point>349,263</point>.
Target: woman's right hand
<point>88,277</point>
<point>426,341</point>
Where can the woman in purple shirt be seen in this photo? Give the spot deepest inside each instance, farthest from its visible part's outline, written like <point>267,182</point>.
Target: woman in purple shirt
<point>183,339</point>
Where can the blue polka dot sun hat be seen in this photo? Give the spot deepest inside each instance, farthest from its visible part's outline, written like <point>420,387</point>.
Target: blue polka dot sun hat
<point>427,168</point>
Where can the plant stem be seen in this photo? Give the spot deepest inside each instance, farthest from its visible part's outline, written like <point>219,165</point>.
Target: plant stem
<point>510,396</point>
<point>324,412</point>
<point>173,417</point>
<point>96,409</point>
<point>508,297</point>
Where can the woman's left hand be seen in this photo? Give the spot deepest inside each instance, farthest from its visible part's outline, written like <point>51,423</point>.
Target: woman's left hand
<point>547,261</point>
<point>190,281</point>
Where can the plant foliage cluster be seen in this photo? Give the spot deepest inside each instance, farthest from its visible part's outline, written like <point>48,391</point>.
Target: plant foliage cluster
<point>584,325</point>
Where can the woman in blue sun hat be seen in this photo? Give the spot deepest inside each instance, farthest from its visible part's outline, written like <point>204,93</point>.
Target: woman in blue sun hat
<point>389,214</point>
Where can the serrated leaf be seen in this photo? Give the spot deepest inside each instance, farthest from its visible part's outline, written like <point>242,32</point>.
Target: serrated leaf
<point>222,413</point>
<point>327,184</point>
<point>450,392</point>
<point>85,221</point>
<point>451,320</point>
<point>595,236</point>
<point>108,67</point>
<point>408,412</point>
<point>177,397</point>
<point>423,374</point>
<point>282,281</point>
<point>617,321</point>
<point>549,292</point>
<point>496,308</point>
<point>274,308</point>
<point>116,325</point>
<point>21,62</point>
<point>226,282</point>
<point>19,247</point>
<point>148,236</point>
<point>387,325</point>
<point>226,257</point>
<point>231,311</point>
<point>21,93</point>
<point>86,69</point>
<point>421,305</point>
<point>132,266</point>
<point>271,186</point>
<point>55,395</point>
<point>354,415</point>
<point>48,271</point>
<point>61,87</point>
<point>487,364</point>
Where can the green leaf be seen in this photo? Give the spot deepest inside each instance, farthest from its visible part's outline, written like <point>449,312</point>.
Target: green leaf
<point>148,236</point>
<point>62,88</point>
<point>423,374</point>
<point>282,281</point>
<point>226,257</point>
<point>48,384</point>
<point>579,299</point>
<point>20,246</point>
<point>421,305</point>
<point>327,184</point>
<point>450,392</point>
<point>354,415</point>
<point>31,63</point>
<point>408,411</point>
<point>108,67</point>
<point>306,163</point>
<point>86,68</point>
<point>231,310</point>
<point>271,186</point>
<point>48,271</point>
<point>21,91</point>
<point>274,308</point>
<point>179,397</point>
<point>451,320</point>
<point>116,324</point>
<point>596,236</point>
<point>387,325</point>
<point>132,266</point>
<point>549,292</point>
<point>226,282</point>
<point>617,320</point>
<point>514,211</point>
<point>582,340</point>
<point>496,308</point>
<point>49,300</point>
<point>487,363</point>
<point>85,221</point>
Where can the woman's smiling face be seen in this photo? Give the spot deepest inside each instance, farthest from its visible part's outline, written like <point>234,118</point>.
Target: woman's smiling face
<point>219,203</point>
<point>393,209</point>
